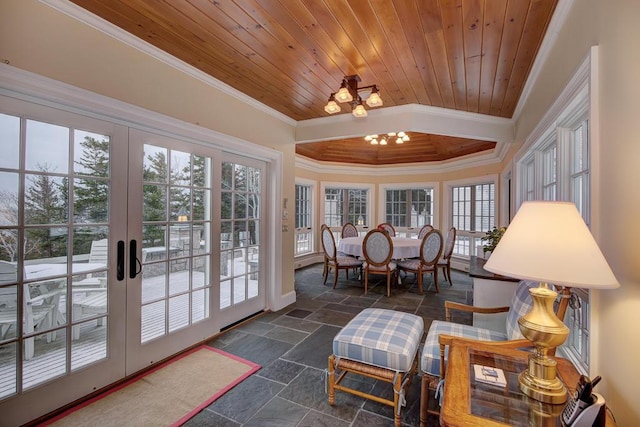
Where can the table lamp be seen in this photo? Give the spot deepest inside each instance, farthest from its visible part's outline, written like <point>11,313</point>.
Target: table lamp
<point>548,242</point>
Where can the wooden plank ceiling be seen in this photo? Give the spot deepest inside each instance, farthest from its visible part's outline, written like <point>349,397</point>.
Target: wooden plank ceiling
<point>467,55</point>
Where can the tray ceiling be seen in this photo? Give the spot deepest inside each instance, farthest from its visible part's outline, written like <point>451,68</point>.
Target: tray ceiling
<point>466,55</point>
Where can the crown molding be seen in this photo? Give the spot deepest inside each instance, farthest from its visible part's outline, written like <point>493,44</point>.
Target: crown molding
<point>411,117</point>
<point>82,15</point>
<point>461,163</point>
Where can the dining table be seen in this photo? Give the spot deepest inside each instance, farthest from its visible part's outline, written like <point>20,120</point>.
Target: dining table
<point>403,247</point>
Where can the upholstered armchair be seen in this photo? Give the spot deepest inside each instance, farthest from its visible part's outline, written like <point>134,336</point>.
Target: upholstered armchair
<point>441,333</point>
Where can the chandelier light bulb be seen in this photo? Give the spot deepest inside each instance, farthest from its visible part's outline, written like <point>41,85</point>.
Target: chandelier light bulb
<point>384,139</point>
<point>359,111</point>
<point>374,99</point>
<point>332,107</point>
<point>343,94</point>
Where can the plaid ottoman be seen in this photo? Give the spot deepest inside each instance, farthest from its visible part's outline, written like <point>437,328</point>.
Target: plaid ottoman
<point>380,344</point>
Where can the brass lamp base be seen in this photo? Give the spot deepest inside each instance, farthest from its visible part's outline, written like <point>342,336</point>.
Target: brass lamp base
<point>546,331</point>
<point>543,385</point>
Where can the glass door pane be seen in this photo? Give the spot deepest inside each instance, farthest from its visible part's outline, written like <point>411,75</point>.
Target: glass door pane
<point>176,252</point>
<point>241,287</point>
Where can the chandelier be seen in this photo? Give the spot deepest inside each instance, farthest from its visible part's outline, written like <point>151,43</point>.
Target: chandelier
<point>349,92</point>
<point>400,138</point>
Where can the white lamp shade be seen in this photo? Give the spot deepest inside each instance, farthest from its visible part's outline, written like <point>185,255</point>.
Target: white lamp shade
<point>549,242</point>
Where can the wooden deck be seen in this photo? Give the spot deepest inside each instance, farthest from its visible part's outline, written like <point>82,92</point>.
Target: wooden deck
<point>160,315</point>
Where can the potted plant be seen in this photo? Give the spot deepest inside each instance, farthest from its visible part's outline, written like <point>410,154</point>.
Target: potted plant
<point>492,238</point>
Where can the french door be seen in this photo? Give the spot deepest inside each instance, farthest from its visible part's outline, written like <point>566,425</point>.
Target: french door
<point>62,307</point>
<point>109,254</point>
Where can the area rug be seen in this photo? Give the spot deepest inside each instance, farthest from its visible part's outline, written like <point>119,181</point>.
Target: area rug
<point>168,395</point>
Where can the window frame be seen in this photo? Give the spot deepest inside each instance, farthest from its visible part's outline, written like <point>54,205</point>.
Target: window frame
<point>573,108</point>
<point>305,232</point>
<point>435,193</point>
<point>367,219</point>
<point>447,201</point>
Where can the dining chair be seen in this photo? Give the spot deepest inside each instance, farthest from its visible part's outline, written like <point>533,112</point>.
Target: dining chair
<point>445,261</point>
<point>349,230</point>
<point>430,251</point>
<point>385,226</point>
<point>377,249</point>
<point>334,260</point>
<point>424,230</point>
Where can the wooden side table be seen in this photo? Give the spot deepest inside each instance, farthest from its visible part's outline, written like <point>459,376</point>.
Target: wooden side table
<point>468,402</point>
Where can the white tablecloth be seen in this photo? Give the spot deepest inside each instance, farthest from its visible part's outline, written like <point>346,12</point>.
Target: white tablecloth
<point>403,247</point>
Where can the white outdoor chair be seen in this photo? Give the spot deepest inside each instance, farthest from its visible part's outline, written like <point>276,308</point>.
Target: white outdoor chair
<point>39,311</point>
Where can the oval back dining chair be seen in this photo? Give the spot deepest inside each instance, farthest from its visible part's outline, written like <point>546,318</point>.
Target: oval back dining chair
<point>385,226</point>
<point>349,230</point>
<point>377,248</point>
<point>445,261</point>
<point>333,260</point>
<point>424,230</point>
<point>430,251</point>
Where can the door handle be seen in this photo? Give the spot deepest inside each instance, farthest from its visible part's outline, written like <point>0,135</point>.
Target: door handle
<point>120,259</point>
<point>135,266</point>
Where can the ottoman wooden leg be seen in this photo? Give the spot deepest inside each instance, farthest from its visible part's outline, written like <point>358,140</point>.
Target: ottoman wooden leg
<point>331,376</point>
<point>424,400</point>
<point>397,389</point>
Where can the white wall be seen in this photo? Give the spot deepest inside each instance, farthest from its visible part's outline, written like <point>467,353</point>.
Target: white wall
<point>612,25</point>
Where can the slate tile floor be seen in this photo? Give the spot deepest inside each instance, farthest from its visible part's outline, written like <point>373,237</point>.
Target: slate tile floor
<point>293,345</point>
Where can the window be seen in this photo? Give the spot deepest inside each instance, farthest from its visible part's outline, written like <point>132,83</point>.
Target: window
<point>411,208</point>
<point>304,229</point>
<point>342,205</point>
<point>579,170</point>
<point>549,173</point>
<point>472,211</point>
<point>556,166</point>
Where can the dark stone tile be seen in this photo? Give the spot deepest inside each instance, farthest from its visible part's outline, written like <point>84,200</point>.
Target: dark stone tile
<point>318,419</point>
<point>368,419</point>
<point>306,304</point>
<point>278,413</point>
<point>331,297</point>
<point>227,338</point>
<point>297,324</point>
<point>282,371</point>
<point>300,314</point>
<point>245,399</point>
<point>308,389</point>
<point>360,302</point>
<point>256,328</point>
<point>331,317</point>
<point>315,349</point>
<point>384,389</point>
<point>258,349</point>
<point>269,317</point>
<point>286,335</point>
<point>206,418</point>
<point>349,289</point>
<point>345,308</point>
